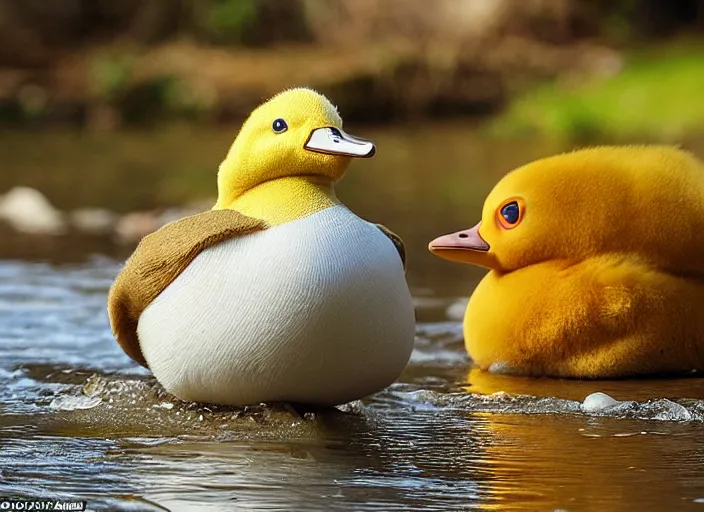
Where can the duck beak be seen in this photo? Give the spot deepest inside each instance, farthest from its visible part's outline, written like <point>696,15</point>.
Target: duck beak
<point>333,141</point>
<point>465,246</point>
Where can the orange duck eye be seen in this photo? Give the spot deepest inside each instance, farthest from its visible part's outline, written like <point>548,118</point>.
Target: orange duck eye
<point>510,214</point>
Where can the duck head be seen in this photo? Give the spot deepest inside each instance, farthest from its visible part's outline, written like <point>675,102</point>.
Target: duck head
<point>642,201</point>
<point>296,133</point>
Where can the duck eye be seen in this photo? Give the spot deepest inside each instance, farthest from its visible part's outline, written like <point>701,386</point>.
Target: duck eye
<point>279,126</point>
<point>510,215</point>
<point>510,212</point>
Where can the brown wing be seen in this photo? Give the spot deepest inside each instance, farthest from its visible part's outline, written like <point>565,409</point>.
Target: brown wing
<point>159,259</point>
<point>397,242</point>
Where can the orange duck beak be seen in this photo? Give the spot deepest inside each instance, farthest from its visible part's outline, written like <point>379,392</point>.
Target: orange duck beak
<point>466,246</point>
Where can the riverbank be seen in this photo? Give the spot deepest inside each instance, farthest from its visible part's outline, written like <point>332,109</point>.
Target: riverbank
<point>656,97</point>
<point>579,93</point>
<point>112,86</point>
<point>104,66</point>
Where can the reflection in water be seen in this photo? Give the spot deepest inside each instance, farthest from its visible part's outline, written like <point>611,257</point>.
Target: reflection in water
<point>570,463</point>
<point>440,439</point>
<point>77,418</point>
<point>381,464</point>
<point>478,381</point>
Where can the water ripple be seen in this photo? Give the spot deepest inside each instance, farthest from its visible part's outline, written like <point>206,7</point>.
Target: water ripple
<point>78,419</point>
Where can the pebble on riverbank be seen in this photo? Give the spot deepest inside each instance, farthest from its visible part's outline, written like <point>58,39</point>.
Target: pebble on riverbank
<point>136,225</point>
<point>94,221</point>
<point>456,310</point>
<point>599,402</point>
<point>28,211</point>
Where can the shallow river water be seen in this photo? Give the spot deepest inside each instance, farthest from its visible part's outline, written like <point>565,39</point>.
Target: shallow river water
<point>78,419</point>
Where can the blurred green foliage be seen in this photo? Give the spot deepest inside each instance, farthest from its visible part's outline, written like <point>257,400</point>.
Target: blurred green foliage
<point>383,61</point>
<point>111,75</point>
<point>617,22</point>
<point>657,95</point>
<point>229,20</point>
<point>156,97</point>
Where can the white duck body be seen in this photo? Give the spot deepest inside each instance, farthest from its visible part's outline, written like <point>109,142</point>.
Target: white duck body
<point>315,311</point>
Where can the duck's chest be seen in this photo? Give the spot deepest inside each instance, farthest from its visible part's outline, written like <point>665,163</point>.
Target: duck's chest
<point>331,264</point>
<point>312,311</point>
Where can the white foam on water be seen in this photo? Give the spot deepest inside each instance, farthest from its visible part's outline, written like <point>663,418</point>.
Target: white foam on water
<point>74,402</point>
<point>596,404</point>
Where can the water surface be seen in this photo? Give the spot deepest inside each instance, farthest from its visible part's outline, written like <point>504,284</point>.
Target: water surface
<point>79,419</point>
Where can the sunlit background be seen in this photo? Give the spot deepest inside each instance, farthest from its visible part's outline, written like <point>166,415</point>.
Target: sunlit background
<point>114,116</point>
<point>118,113</point>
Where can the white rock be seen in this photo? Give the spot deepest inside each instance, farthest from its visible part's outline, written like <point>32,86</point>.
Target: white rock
<point>599,402</point>
<point>134,226</point>
<point>28,211</point>
<point>456,310</point>
<point>94,221</point>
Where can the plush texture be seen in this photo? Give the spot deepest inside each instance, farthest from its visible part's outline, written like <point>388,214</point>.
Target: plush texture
<point>258,155</point>
<point>397,241</point>
<point>604,275</point>
<point>325,317</point>
<point>159,259</point>
<point>309,301</point>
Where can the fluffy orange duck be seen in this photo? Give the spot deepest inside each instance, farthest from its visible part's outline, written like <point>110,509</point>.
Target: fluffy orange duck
<point>596,266</point>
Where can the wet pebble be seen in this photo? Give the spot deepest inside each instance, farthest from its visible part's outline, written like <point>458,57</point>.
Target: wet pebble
<point>599,402</point>
<point>27,210</point>
<point>134,226</point>
<point>456,310</point>
<point>93,221</point>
